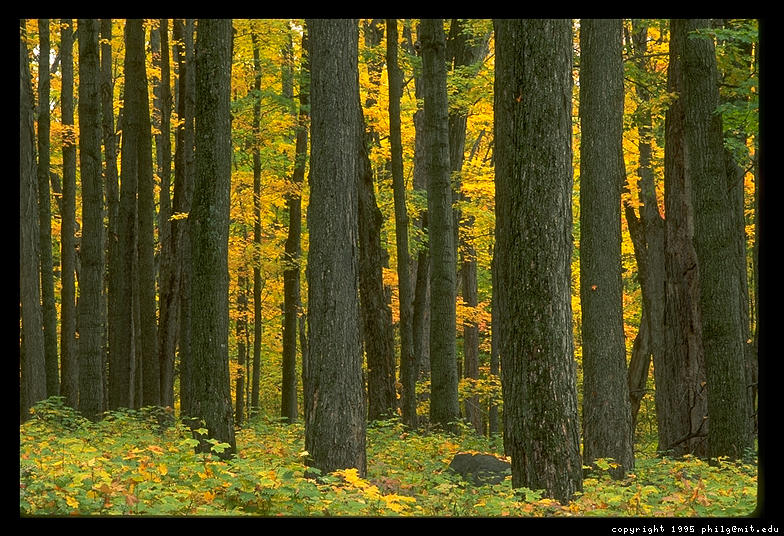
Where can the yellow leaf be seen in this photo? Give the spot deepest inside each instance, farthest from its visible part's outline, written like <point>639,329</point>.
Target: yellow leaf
<point>162,469</point>
<point>72,502</point>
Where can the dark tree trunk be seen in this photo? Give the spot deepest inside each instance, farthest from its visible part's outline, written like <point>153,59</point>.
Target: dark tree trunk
<point>257,282</point>
<point>681,403</point>
<point>607,422</point>
<point>408,370</point>
<point>209,231</point>
<point>33,387</point>
<point>291,273</point>
<point>169,260</point>
<point>335,425</point>
<point>91,329</point>
<point>717,253</point>
<point>181,201</point>
<point>69,372</point>
<point>45,214</point>
<point>183,195</point>
<point>647,234</point>
<point>444,407</point>
<point>533,160</point>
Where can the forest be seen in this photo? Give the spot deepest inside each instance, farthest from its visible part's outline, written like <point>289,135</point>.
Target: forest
<point>389,267</point>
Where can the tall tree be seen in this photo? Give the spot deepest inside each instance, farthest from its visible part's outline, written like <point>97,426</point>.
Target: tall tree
<point>242,335</point>
<point>718,257</point>
<point>681,405</point>
<point>444,408</point>
<point>209,231</point>
<point>465,50</point>
<point>69,371</point>
<point>408,368</point>
<point>335,423</point>
<point>33,387</point>
<point>647,234</point>
<point>533,161</point>
<point>91,329</point>
<point>257,283</point>
<point>45,213</point>
<point>169,262</point>
<point>607,423</point>
<point>377,331</point>
<point>136,84</point>
<point>183,195</point>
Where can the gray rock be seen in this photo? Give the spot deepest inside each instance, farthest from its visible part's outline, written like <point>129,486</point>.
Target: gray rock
<point>480,469</point>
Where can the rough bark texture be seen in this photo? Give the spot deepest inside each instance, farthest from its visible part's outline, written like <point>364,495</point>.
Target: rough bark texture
<point>408,371</point>
<point>45,214</point>
<point>444,407</point>
<point>91,329</point>
<point>183,193</point>
<point>69,372</point>
<point>717,253</point>
<point>291,273</point>
<point>33,387</point>
<point>209,232</point>
<point>335,412</point>
<point>533,159</point>
<point>681,404</point>
<point>607,422</point>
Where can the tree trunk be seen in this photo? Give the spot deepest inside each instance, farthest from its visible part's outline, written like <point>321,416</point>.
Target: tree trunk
<point>209,231</point>
<point>718,259</point>
<point>181,202</point>
<point>607,422</point>
<point>257,282</point>
<point>335,425</point>
<point>169,261</point>
<point>444,408</point>
<point>69,373</point>
<point>241,332</point>
<point>291,273</point>
<point>408,371</point>
<point>33,387</point>
<point>91,329</point>
<point>533,159</point>
<point>681,408</point>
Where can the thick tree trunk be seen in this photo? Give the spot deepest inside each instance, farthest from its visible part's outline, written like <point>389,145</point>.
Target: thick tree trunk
<point>681,403</point>
<point>408,371</point>
<point>45,214</point>
<point>607,421</point>
<point>181,202</point>
<point>444,407</point>
<point>533,159</point>
<point>209,232</point>
<point>91,329</point>
<point>729,430</point>
<point>33,387</point>
<point>69,371</point>
<point>335,425</point>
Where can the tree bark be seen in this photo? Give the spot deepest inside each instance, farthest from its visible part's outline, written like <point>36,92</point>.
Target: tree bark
<point>607,421</point>
<point>335,425</point>
<point>533,159</point>
<point>444,407</point>
<point>257,282</point>
<point>181,202</point>
<point>33,386</point>
<point>729,430</point>
<point>45,214</point>
<point>69,373</point>
<point>209,231</point>
<point>408,370</point>
<point>681,409</point>
<point>91,329</point>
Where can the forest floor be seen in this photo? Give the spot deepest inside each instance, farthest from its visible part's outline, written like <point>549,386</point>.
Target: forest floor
<point>127,464</point>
